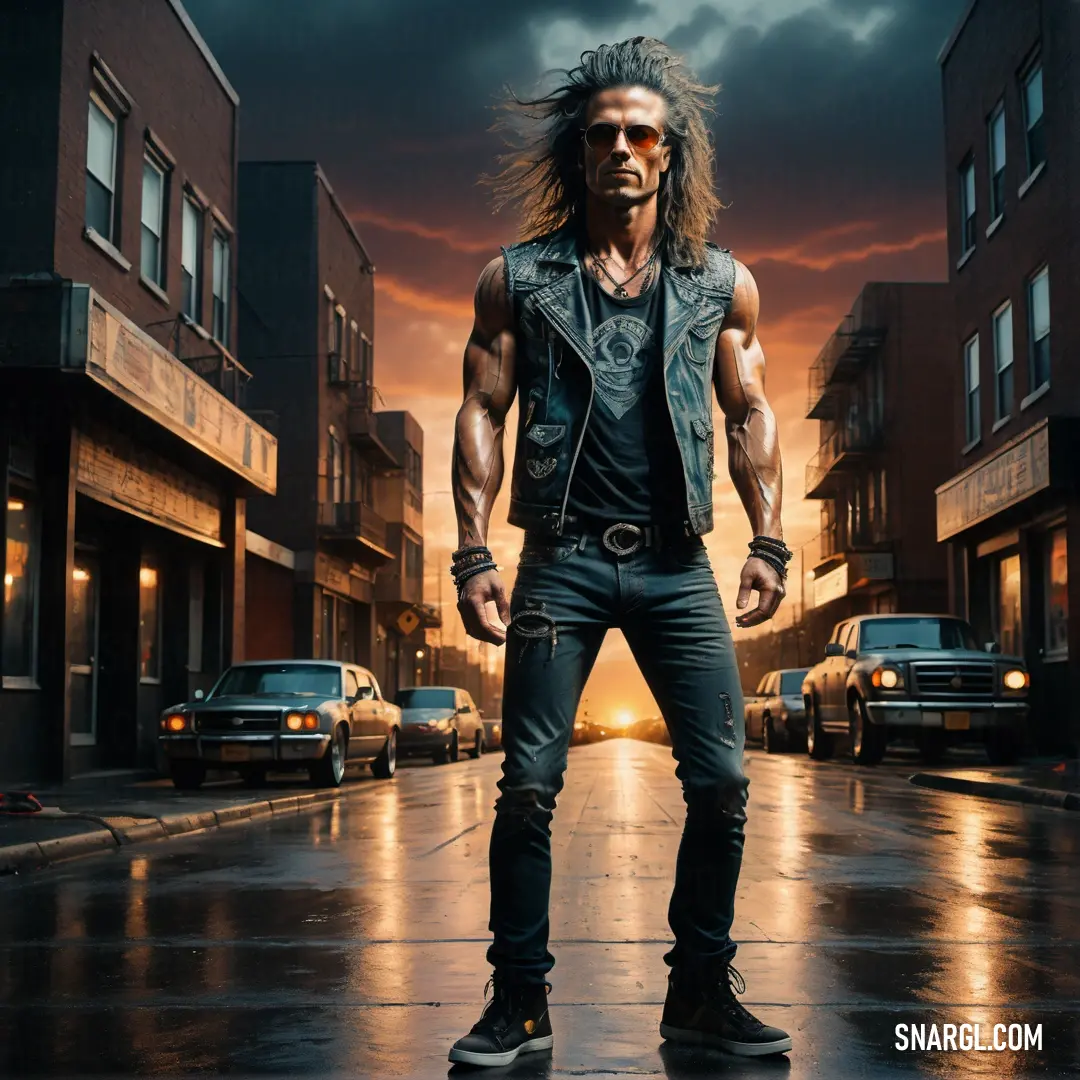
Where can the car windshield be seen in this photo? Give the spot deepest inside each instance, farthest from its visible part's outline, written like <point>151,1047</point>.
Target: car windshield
<point>927,633</point>
<point>791,682</point>
<point>317,680</point>
<point>425,697</point>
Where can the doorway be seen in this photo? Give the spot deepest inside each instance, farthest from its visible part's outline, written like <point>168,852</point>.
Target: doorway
<point>83,647</point>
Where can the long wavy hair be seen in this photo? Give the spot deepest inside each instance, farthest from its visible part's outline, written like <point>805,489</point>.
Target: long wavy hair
<point>542,174</point>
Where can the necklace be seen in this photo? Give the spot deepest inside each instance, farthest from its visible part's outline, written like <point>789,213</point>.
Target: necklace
<point>599,268</point>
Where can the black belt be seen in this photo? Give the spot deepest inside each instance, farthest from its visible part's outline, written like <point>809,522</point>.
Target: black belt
<point>620,537</point>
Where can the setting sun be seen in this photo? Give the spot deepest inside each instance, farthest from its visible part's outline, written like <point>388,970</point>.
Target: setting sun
<point>622,718</point>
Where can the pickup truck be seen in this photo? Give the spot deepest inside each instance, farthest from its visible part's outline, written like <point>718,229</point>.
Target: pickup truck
<point>774,714</point>
<point>915,676</point>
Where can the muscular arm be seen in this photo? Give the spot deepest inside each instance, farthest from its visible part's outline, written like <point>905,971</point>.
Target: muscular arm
<point>489,384</point>
<point>753,445</point>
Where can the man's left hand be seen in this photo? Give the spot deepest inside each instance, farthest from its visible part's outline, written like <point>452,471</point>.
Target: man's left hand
<point>758,576</point>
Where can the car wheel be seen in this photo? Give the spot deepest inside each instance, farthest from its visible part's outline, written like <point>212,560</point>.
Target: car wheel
<point>385,765</point>
<point>187,775</point>
<point>253,778</point>
<point>819,744</point>
<point>478,749</point>
<point>867,739</point>
<point>771,740</point>
<point>329,770</point>
<point>1002,746</point>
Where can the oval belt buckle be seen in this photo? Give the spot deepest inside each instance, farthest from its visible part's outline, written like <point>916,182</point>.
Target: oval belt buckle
<point>613,545</point>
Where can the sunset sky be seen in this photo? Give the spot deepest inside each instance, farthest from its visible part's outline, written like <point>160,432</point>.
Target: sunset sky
<point>829,159</point>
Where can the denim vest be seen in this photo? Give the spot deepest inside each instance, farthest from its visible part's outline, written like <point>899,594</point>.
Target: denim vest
<point>556,386</point>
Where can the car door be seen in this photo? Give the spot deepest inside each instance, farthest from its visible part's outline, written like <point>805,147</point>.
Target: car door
<point>355,707</point>
<point>757,717</point>
<point>840,665</point>
<point>382,712</point>
<point>829,672</point>
<point>752,702</point>
<point>847,662</point>
<point>471,720</point>
<point>365,718</point>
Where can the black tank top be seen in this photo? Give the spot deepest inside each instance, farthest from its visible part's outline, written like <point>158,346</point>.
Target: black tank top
<point>629,467</point>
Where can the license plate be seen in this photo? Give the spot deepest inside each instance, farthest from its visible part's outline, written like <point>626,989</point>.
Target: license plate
<point>235,752</point>
<point>957,721</point>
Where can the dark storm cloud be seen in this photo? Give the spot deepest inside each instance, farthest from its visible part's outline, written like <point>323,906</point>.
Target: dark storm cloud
<point>814,127</point>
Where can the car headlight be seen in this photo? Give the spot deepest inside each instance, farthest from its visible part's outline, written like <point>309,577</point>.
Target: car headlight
<point>887,678</point>
<point>297,721</point>
<point>174,722</point>
<point>1016,679</point>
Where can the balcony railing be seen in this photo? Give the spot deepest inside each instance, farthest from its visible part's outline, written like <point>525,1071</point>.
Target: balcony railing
<point>839,451</point>
<point>364,425</point>
<point>352,521</point>
<point>841,358</point>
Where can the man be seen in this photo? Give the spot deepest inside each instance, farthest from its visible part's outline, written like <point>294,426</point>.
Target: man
<point>614,326</point>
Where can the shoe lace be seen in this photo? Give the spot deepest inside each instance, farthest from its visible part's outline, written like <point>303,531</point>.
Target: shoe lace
<point>728,985</point>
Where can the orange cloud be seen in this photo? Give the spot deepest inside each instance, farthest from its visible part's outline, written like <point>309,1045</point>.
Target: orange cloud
<point>409,296</point>
<point>799,255</point>
<point>425,232</point>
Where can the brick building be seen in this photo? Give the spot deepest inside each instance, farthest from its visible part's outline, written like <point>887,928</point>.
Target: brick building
<point>125,457</point>
<point>348,515</point>
<point>886,441</point>
<point>1011,510</point>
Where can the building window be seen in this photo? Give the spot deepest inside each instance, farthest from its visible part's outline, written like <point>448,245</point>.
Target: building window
<point>101,170</point>
<point>1008,606</point>
<point>338,639</point>
<point>149,623</point>
<point>354,352</point>
<point>967,206</point>
<point>972,415</point>
<point>153,220</point>
<point>1057,596</point>
<point>1039,327</point>
<point>1003,362</point>
<point>18,650</point>
<point>366,359</point>
<point>220,328</point>
<point>414,559</point>
<point>1033,118</point>
<point>196,615</point>
<point>336,459</point>
<point>997,162</point>
<point>191,262</point>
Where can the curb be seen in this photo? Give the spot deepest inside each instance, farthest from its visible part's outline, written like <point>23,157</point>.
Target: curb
<point>992,789</point>
<point>19,858</point>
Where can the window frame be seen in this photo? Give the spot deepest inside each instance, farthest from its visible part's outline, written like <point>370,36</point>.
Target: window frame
<point>1031,71</point>
<point>1054,655</point>
<point>153,161</point>
<point>220,241</point>
<point>17,489</point>
<point>997,168</point>
<point>111,114</point>
<point>1035,383</point>
<point>192,203</point>
<point>972,390</point>
<point>967,212</point>
<point>150,562</point>
<point>1003,370</point>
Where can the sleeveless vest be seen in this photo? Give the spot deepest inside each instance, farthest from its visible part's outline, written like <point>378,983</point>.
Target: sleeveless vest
<point>556,386</point>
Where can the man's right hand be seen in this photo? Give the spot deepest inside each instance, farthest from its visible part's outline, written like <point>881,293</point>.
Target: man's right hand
<point>477,593</point>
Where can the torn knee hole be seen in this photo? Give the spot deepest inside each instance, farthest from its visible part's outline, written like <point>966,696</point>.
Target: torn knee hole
<point>522,803</point>
<point>725,799</point>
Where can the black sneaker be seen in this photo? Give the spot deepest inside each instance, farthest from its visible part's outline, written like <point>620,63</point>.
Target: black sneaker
<point>708,1014</point>
<point>515,1021</point>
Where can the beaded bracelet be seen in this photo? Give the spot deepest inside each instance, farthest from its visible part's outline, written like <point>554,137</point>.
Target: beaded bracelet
<point>473,571</point>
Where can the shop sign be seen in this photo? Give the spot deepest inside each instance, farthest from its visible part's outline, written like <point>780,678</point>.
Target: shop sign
<point>1013,474</point>
<point>113,470</point>
<point>146,375</point>
<point>831,586</point>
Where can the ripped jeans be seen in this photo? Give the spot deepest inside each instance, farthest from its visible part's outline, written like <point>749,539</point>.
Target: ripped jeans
<point>666,602</point>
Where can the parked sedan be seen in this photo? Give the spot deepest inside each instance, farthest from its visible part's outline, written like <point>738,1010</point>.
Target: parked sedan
<point>920,676</point>
<point>774,714</point>
<point>318,715</point>
<point>436,721</point>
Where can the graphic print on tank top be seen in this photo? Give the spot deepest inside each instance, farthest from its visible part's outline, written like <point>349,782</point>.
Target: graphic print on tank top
<point>621,348</point>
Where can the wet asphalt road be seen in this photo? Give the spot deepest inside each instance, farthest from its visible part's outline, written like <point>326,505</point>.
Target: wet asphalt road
<point>349,942</point>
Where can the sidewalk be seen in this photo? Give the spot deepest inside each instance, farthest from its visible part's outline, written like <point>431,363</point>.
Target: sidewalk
<point>87,816</point>
<point>1054,783</point>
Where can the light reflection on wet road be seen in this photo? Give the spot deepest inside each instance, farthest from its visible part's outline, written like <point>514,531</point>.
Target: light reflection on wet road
<point>349,942</point>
